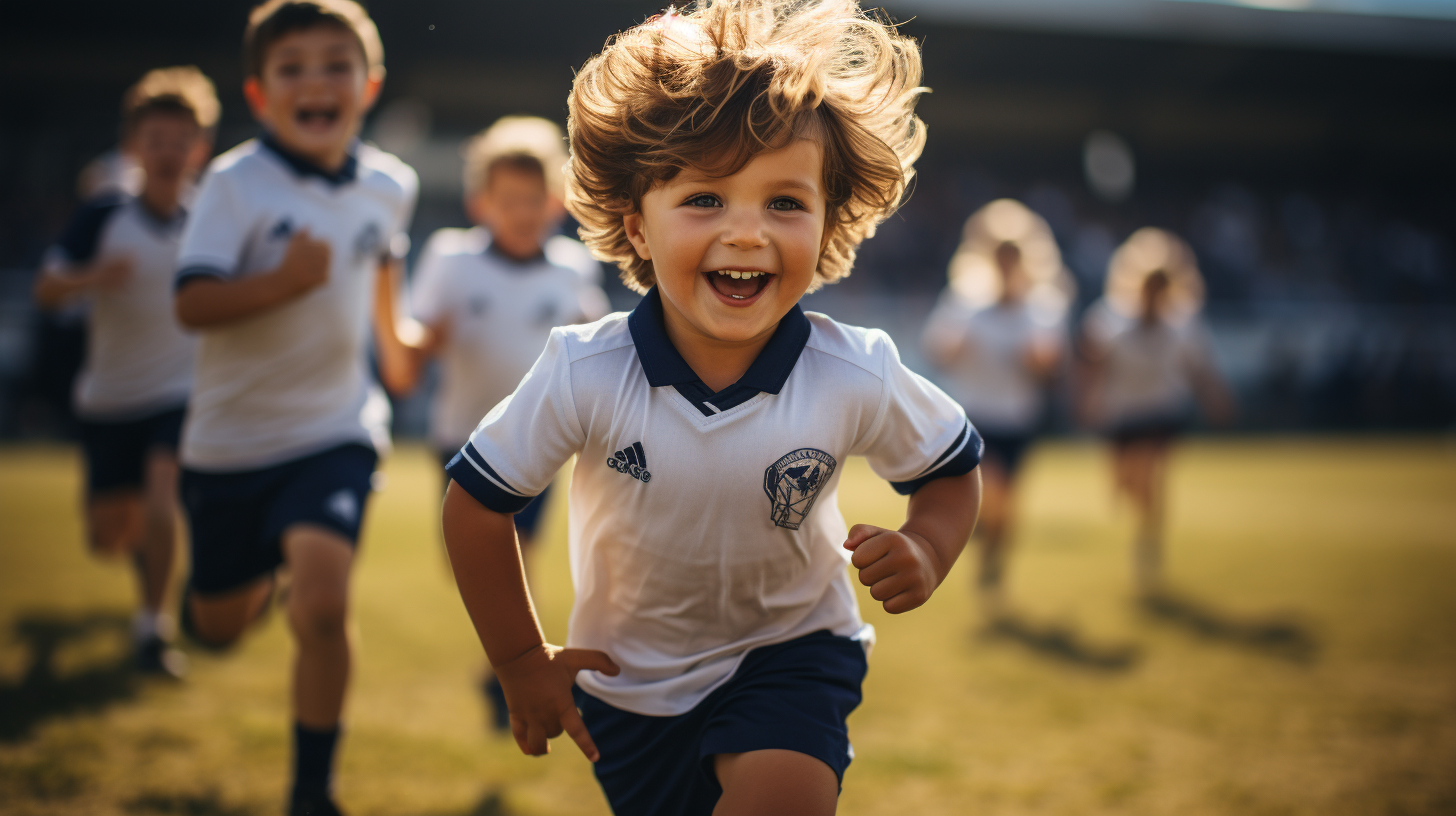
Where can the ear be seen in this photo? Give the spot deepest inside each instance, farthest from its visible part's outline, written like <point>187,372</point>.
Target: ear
<point>253,93</point>
<point>632,223</point>
<point>372,85</point>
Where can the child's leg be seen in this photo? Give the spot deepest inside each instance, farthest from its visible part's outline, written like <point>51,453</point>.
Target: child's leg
<point>318,602</point>
<point>114,522</point>
<point>156,551</point>
<point>991,534</point>
<point>1144,465</point>
<point>220,619</point>
<point>774,781</point>
<point>318,606</point>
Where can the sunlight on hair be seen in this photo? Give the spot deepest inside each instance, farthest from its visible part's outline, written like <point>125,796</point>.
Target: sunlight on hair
<point>713,87</point>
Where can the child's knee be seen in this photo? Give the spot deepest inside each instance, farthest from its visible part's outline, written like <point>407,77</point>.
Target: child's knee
<point>318,613</point>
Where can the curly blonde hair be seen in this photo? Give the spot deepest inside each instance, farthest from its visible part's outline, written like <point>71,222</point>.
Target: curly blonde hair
<point>729,79</point>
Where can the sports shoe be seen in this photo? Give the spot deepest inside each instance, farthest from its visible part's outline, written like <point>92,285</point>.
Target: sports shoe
<point>316,804</point>
<point>155,657</point>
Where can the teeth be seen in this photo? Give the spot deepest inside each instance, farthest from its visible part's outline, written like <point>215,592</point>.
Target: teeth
<point>737,275</point>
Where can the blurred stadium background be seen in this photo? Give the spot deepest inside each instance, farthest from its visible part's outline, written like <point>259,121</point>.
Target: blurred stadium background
<point>1304,147</point>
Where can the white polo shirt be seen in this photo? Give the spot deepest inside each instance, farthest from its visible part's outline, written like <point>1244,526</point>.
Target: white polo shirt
<point>991,377</point>
<point>1147,370</point>
<point>498,312</point>
<point>293,380</point>
<point>138,360</point>
<point>703,525</point>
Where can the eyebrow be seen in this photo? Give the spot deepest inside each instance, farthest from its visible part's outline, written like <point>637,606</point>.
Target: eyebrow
<point>808,188</point>
<point>692,177</point>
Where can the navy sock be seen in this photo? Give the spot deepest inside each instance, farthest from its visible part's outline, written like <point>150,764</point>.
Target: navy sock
<point>313,760</point>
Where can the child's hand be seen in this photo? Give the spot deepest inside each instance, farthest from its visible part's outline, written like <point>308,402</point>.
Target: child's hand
<point>112,274</point>
<point>538,692</point>
<point>901,569</point>
<point>305,263</point>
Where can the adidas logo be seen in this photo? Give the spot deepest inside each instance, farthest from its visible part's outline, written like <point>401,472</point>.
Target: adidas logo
<point>344,506</point>
<point>632,461</point>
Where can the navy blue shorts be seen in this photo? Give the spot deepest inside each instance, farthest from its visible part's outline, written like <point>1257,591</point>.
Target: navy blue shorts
<point>1007,449</point>
<point>116,452</point>
<point>237,519</point>
<point>793,696</point>
<point>1155,429</point>
<point>527,519</point>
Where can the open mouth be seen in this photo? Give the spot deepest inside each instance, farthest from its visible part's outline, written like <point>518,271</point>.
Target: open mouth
<point>316,117</point>
<point>738,285</point>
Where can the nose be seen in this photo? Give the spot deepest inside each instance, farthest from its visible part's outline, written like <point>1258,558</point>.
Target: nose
<point>744,229</point>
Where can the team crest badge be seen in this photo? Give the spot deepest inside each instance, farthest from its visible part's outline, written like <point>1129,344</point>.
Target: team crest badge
<point>367,243</point>
<point>794,482</point>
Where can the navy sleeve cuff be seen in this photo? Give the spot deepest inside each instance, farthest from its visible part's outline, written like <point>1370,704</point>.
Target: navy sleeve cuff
<point>471,472</point>
<point>193,273</point>
<point>962,457</point>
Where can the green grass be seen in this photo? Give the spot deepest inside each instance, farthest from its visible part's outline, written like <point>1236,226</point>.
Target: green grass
<point>1351,542</point>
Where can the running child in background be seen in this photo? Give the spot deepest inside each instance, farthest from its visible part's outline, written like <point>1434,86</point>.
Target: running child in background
<point>1147,358</point>
<point>277,272</point>
<point>728,160</point>
<point>486,299</point>
<point>118,256</point>
<point>999,336</point>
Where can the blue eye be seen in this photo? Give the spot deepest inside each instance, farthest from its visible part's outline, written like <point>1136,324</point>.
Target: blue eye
<point>785,205</point>
<point>702,200</point>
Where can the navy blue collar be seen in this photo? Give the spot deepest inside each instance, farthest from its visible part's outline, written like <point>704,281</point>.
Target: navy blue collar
<point>663,365</point>
<point>347,172</point>
<point>493,251</point>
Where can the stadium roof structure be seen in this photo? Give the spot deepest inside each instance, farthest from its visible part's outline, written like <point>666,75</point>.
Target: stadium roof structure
<point>1407,27</point>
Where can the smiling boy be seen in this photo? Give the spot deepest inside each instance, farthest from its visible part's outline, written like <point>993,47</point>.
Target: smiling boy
<point>118,255</point>
<point>729,161</point>
<point>285,426</point>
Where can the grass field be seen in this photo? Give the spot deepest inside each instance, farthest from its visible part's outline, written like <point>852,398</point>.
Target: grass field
<point>1309,668</point>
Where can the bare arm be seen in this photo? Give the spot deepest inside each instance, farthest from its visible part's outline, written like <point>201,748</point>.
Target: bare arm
<point>404,346</point>
<point>1212,392</point>
<point>536,676</point>
<point>57,285</point>
<point>211,302</point>
<point>904,567</point>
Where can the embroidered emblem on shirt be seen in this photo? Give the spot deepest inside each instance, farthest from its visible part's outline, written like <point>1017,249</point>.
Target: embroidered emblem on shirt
<point>367,244</point>
<point>344,506</point>
<point>631,460</point>
<point>794,482</point>
<point>282,229</point>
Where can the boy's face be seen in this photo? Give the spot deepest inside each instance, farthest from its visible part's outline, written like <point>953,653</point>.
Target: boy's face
<point>517,210</point>
<point>169,147</point>
<point>313,91</point>
<point>765,223</point>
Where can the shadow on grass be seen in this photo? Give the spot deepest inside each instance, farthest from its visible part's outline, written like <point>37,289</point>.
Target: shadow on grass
<point>492,803</point>
<point>1278,636</point>
<point>42,693</point>
<point>208,803</point>
<point>1061,643</point>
